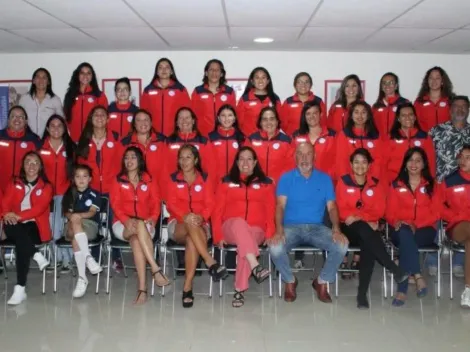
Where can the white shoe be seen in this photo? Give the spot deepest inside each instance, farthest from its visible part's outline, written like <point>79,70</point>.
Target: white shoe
<point>458,271</point>
<point>18,296</point>
<point>93,266</point>
<point>299,264</point>
<point>432,270</point>
<point>80,288</point>
<point>465,298</point>
<point>41,260</point>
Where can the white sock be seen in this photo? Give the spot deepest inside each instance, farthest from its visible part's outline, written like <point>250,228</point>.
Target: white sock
<point>80,259</point>
<point>82,242</point>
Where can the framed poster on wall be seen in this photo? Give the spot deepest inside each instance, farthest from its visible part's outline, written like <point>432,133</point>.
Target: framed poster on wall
<point>107,86</point>
<point>238,85</point>
<point>10,93</point>
<point>332,90</point>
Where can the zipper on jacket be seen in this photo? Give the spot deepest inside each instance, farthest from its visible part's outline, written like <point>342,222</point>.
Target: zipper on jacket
<point>215,112</point>
<point>120,131</point>
<point>163,111</point>
<point>55,174</point>
<point>190,198</point>
<point>81,116</point>
<point>100,168</point>
<point>437,115</point>
<point>246,200</point>
<point>135,201</point>
<point>267,160</point>
<point>14,159</point>
<point>226,157</point>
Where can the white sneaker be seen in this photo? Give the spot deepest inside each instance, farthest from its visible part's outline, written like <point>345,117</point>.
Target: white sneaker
<point>458,271</point>
<point>80,288</point>
<point>18,296</point>
<point>41,260</point>
<point>465,298</point>
<point>299,264</point>
<point>93,266</point>
<point>432,270</point>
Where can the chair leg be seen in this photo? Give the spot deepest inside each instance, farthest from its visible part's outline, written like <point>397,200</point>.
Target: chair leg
<point>123,264</point>
<point>451,279</point>
<point>221,263</point>
<point>152,290</point>
<point>439,274</point>
<point>164,267</point>
<point>108,274</point>
<point>173,263</point>
<point>270,276</point>
<point>211,282</point>
<point>99,274</point>
<point>56,250</point>
<point>280,285</point>
<point>2,259</point>
<point>384,278</point>
<point>336,285</point>
<point>391,276</point>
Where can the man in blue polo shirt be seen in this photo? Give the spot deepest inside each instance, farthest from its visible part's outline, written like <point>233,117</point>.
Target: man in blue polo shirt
<point>302,196</point>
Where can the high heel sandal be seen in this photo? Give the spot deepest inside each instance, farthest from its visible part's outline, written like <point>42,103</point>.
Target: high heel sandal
<point>160,272</point>
<point>260,274</point>
<point>354,266</point>
<point>423,291</point>
<point>344,275</point>
<point>238,299</point>
<point>188,295</point>
<point>218,272</point>
<point>139,293</point>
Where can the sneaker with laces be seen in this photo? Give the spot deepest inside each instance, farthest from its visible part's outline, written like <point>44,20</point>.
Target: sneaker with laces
<point>465,298</point>
<point>299,264</point>
<point>458,271</point>
<point>432,270</point>
<point>93,266</point>
<point>80,288</point>
<point>41,260</point>
<point>18,296</point>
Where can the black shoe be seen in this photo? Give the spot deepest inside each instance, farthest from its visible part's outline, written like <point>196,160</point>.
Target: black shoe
<point>188,295</point>
<point>362,302</point>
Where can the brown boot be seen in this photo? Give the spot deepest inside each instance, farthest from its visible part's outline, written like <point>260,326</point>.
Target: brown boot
<point>290,294</point>
<point>322,291</point>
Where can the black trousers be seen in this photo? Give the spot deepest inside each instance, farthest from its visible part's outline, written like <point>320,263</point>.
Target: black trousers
<point>25,236</point>
<point>372,248</point>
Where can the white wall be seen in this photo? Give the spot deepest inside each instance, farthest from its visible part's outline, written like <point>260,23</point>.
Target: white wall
<point>282,66</point>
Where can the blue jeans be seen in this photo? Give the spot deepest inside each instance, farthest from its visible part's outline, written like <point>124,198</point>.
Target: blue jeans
<point>57,224</point>
<point>314,235</point>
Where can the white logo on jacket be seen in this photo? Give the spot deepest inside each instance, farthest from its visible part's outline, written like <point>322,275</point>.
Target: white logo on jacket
<point>198,188</point>
<point>110,144</point>
<point>235,145</point>
<point>171,93</point>
<point>370,192</point>
<point>88,203</point>
<point>39,192</point>
<point>153,147</point>
<point>223,97</point>
<point>23,145</point>
<point>256,186</point>
<point>417,143</point>
<point>143,188</point>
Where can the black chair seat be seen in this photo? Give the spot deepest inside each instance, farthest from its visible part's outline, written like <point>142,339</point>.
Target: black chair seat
<point>116,243</point>
<point>62,242</point>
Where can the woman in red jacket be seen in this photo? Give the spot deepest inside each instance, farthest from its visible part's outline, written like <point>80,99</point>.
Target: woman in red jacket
<point>292,107</point>
<point>225,140</point>
<point>16,140</point>
<point>322,138</point>
<point>360,132</point>
<point>190,199</point>
<point>412,213</point>
<point>258,94</point>
<point>208,98</point>
<point>57,152</point>
<point>349,91</point>
<point>98,148</point>
<point>387,102</point>
<point>361,204</point>
<point>136,203</point>
<point>433,101</point>
<point>244,216</point>
<point>405,134</point>
<point>83,94</point>
<point>164,96</point>
<point>25,214</point>
<point>273,148</point>
<point>122,109</point>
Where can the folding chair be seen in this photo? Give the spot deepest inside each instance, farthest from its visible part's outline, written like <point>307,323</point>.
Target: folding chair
<point>99,241</point>
<point>453,247</point>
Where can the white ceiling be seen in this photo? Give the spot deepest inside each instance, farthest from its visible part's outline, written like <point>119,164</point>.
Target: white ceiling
<point>436,26</point>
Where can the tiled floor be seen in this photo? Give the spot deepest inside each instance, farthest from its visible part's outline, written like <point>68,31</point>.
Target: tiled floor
<point>55,322</point>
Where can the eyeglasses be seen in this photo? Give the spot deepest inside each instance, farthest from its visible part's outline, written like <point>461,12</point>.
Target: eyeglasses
<point>32,163</point>
<point>389,83</point>
<point>21,117</point>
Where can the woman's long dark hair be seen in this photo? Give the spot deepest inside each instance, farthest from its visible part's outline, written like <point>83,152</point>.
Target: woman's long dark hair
<point>447,89</point>
<point>193,116</point>
<point>395,130</point>
<point>303,125</point>
<point>380,99</point>
<point>342,100</point>
<point>141,167</point>
<point>222,79</point>
<point>19,107</point>
<point>257,175</point>
<point>196,154</point>
<point>32,89</point>
<point>240,135</point>
<point>369,127</point>
<point>69,145</point>
<point>71,195</point>
<point>173,73</point>
<point>41,172</point>
<point>425,173</point>
<point>269,87</point>
<point>74,88</point>
<point>83,147</point>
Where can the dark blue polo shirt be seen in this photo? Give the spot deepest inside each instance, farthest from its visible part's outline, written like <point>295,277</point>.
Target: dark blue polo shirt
<point>87,199</point>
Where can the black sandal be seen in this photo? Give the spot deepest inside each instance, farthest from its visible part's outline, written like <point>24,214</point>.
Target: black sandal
<point>160,272</point>
<point>260,274</point>
<point>238,299</point>
<point>344,275</point>
<point>139,293</point>
<point>188,295</point>
<point>354,266</point>
<point>218,272</point>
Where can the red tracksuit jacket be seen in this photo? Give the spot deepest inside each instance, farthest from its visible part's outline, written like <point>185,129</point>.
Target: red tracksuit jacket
<point>120,117</point>
<point>349,194</point>
<point>154,153</point>
<point>348,141</point>
<point>292,109</point>
<point>395,150</point>
<point>55,167</point>
<point>183,199</point>
<point>455,196</point>
<point>431,114</point>
<point>163,103</point>
<point>106,168</point>
<point>275,155</point>
<point>256,204</point>
<point>384,115</point>
<point>41,197</point>
<point>205,104</point>
<point>224,146</point>
<point>84,103</point>
<point>325,150</point>
<point>248,109</point>
<point>141,202</point>
<point>13,147</point>
<point>415,208</point>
